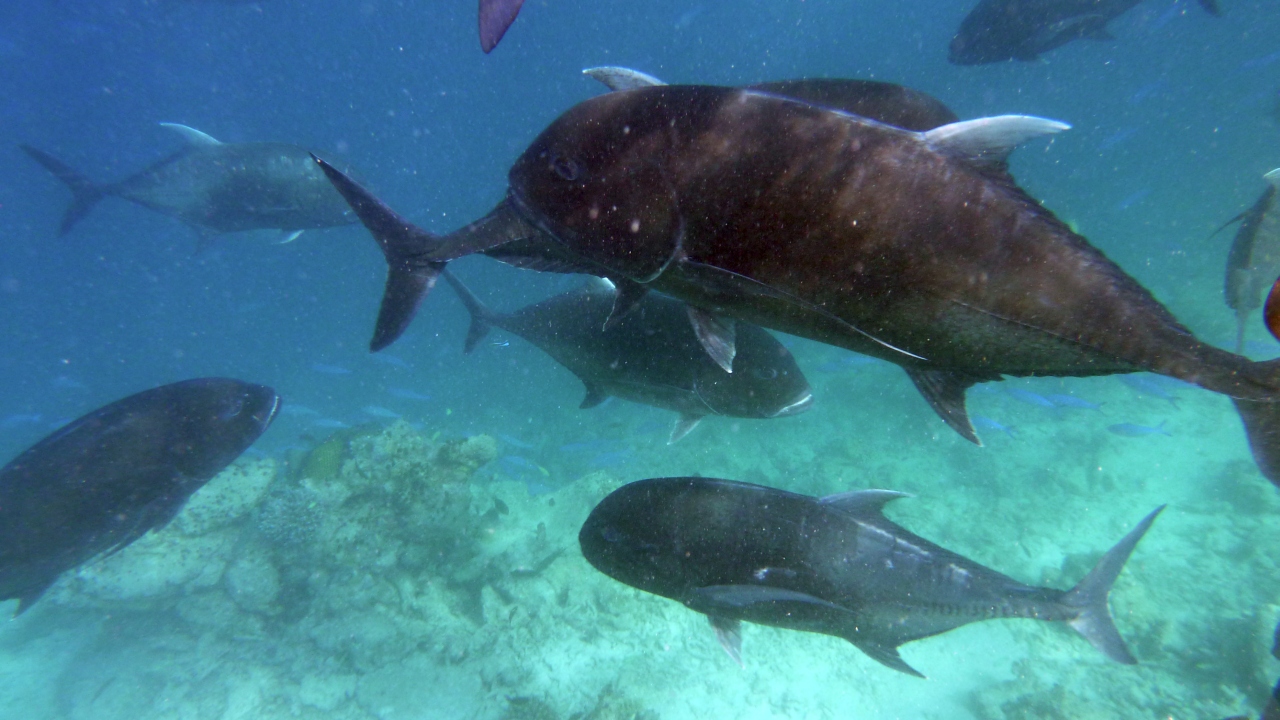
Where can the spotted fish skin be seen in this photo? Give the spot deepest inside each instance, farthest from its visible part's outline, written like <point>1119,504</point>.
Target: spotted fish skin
<point>832,565</point>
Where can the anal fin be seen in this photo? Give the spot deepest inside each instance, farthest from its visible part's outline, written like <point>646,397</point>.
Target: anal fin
<point>886,655</point>
<point>729,633</point>
<point>944,391</point>
<point>684,425</point>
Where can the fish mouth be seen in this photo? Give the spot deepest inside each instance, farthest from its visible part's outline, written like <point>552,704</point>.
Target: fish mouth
<point>799,405</point>
<point>267,414</point>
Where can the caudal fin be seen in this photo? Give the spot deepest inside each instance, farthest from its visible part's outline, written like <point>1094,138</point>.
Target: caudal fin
<point>481,316</point>
<point>410,276</point>
<point>84,193</point>
<point>1090,596</point>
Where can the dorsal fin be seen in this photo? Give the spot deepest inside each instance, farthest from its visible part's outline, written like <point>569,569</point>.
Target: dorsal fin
<point>862,502</point>
<point>192,136</point>
<point>991,139</point>
<point>620,78</point>
<point>1273,177</point>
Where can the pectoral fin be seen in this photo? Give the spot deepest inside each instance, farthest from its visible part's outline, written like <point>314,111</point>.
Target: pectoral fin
<point>289,236</point>
<point>718,336</point>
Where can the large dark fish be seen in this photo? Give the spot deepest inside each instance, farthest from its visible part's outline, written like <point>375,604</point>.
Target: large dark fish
<point>104,480</point>
<point>1254,261</point>
<point>651,356</point>
<point>832,565</point>
<point>999,30</point>
<point>914,247</point>
<point>218,187</point>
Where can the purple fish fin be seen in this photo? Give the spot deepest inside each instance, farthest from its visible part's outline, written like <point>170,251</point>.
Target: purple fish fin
<point>717,335</point>
<point>729,633</point>
<point>1090,596</point>
<point>84,193</point>
<point>944,391</point>
<point>684,425</point>
<point>495,17</point>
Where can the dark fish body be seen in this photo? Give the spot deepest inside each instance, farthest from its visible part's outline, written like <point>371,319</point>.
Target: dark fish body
<point>916,248</point>
<point>105,479</point>
<point>494,19</point>
<point>219,187</point>
<point>999,30</point>
<point>651,356</point>
<point>833,565</point>
<point>1253,263</point>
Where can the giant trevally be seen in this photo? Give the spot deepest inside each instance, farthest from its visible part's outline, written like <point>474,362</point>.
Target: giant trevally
<point>999,30</point>
<point>410,251</point>
<point>832,565</point>
<point>1254,260</point>
<point>217,187</point>
<point>104,480</point>
<point>651,356</point>
<point>914,247</point>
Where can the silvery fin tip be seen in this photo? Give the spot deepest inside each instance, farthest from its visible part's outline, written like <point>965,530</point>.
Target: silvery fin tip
<point>1273,177</point>
<point>991,139</point>
<point>192,136</point>
<point>620,78</point>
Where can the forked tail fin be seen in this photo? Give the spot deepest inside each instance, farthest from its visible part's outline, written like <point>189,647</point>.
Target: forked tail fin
<point>84,193</point>
<point>1090,596</point>
<point>481,316</point>
<point>410,275</point>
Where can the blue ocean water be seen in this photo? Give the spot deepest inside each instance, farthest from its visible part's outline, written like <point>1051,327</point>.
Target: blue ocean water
<point>1174,124</point>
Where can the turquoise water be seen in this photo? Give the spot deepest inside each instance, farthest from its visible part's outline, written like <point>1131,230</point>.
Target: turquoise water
<point>357,565</point>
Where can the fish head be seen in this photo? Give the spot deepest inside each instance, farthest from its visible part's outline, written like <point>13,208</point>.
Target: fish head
<point>765,382</point>
<point>652,534</point>
<point>214,420</point>
<point>598,180</point>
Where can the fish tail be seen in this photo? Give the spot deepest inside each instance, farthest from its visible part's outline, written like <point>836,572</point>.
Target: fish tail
<point>481,316</point>
<point>84,193</point>
<point>1089,596</point>
<point>410,274</point>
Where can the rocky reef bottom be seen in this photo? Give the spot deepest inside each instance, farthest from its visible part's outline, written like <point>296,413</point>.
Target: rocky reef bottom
<point>377,577</point>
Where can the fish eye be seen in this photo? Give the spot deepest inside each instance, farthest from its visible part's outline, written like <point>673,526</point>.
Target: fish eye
<point>565,167</point>
<point>765,373</point>
<point>232,407</point>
